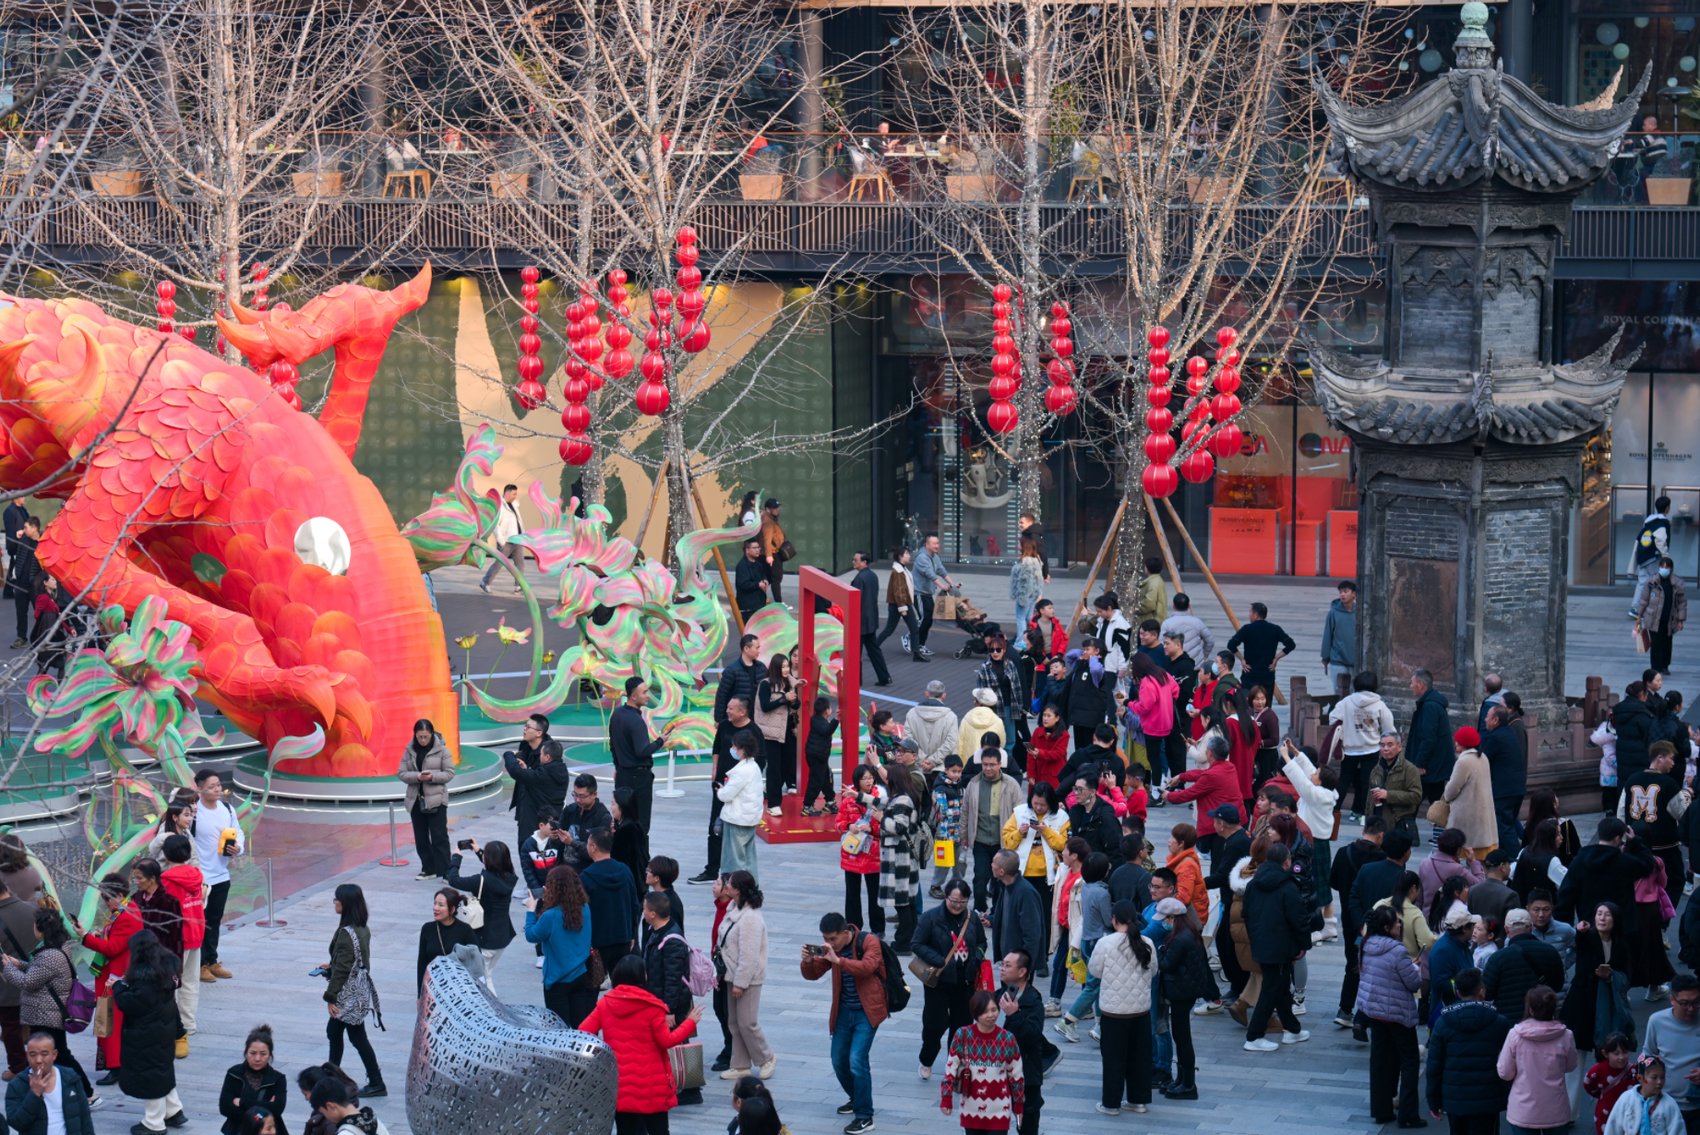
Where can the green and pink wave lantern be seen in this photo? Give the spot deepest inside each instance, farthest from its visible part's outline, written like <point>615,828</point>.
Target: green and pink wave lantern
<point>564,538</point>
<point>695,730</point>
<point>776,627</point>
<point>140,689</point>
<point>459,519</point>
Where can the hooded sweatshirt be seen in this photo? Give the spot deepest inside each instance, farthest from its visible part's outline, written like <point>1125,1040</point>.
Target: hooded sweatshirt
<point>1340,637</point>
<point>933,726</point>
<point>1363,718</point>
<point>976,723</point>
<point>1535,1058</point>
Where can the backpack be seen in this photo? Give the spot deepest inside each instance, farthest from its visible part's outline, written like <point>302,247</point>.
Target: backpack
<point>699,977</point>
<point>896,988</point>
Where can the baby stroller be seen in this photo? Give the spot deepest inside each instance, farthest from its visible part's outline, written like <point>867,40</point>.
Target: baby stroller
<point>973,620</point>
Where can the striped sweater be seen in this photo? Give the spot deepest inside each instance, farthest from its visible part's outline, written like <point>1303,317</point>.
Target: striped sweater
<point>984,1069</point>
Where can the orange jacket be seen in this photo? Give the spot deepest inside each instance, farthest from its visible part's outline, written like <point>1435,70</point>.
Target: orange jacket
<point>1189,882</point>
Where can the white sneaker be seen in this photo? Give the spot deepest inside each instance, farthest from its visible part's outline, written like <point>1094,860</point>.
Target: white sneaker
<point>1330,929</point>
<point>1206,1008</point>
<point>926,1071</point>
<point>1295,1038</point>
<point>539,963</point>
<point>1065,1028</point>
<point>776,811</point>
<point>1261,1044</point>
<point>1298,1006</point>
<point>1102,1110</point>
<point>906,642</point>
<point>1095,1034</point>
<point>1657,992</point>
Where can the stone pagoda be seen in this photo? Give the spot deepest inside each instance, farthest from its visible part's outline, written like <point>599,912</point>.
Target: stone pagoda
<point>1468,433</point>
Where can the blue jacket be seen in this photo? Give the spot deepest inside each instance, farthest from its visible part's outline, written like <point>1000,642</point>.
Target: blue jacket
<point>614,901</point>
<point>1447,958</point>
<point>1340,637</point>
<point>1463,1051</point>
<point>565,952</point>
<point>1389,981</point>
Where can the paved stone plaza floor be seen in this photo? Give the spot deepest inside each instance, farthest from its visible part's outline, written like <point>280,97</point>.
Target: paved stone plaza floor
<point>1320,1086</point>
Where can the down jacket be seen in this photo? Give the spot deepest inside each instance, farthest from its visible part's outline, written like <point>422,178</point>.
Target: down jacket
<point>742,794</point>
<point>1237,880</point>
<point>850,813</point>
<point>1388,982</point>
<point>932,725</point>
<point>1535,1058</point>
<point>1124,986</point>
<point>743,946</point>
<point>1462,1050</point>
<point>1277,918</point>
<point>441,766</point>
<point>1521,964</point>
<point>48,969</point>
<point>634,1023</point>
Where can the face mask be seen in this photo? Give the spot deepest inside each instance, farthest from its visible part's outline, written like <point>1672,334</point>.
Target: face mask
<point>1664,573</point>
<point>1215,668</point>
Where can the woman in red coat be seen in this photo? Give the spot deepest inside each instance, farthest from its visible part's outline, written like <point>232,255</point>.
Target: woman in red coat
<point>861,868</point>
<point>114,946</point>
<point>1047,751</point>
<point>634,1022</point>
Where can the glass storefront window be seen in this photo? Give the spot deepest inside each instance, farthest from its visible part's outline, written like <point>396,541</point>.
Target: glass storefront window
<point>1608,43</point>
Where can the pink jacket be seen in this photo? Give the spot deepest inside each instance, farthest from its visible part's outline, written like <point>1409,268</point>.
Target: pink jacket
<point>1155,706</point>
<point>1651,888</point>
<point>1535,1058</point>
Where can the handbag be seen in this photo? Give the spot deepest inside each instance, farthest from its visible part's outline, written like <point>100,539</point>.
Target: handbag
<point>103,1015</point>
<point>1643,641</point>
<point>929,974</point>
<point>685,1060</point>
<point>854,843</point>
<point>1439,812</point>
<point>986,981</point>
<point>944,853</point>
<point>1077,965</point>
<point>595,973</point>
<point>945,607</point>
<point>358,997</point>
<point>473,912</point>
<point>787,551</point>
<point>76,1009</point>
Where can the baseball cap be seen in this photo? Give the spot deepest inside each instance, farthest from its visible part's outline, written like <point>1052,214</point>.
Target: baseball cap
<point>1225,812</point>
<point>1517,916</point>
<point>909,745</point>
<point>1168,908</point>
<point>1458,919</point>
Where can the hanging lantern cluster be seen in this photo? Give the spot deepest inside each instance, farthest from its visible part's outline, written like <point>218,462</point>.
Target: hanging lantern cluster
<point>1159,477</point>
<point>693,328</point>
<point>652,395</point>
<point>530,392</point>
<point>619,362</point>
<point>166,305</point>
<point>1061,398</point>
<point>1225,441</point>
<point>584,349</point>
<point>1002,416</point>
<point>261,300</point>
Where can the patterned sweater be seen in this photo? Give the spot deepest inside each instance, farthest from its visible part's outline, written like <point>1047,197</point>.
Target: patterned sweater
<point>985,1070</point>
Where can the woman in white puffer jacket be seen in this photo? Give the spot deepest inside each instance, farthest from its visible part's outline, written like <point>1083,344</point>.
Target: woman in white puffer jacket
<point>1124,963</point>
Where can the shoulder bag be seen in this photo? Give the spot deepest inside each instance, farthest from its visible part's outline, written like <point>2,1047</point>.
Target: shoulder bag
<point>358,997</point>
<point>473,912</point>
<point>77,1010</point>
<point>928,974</point>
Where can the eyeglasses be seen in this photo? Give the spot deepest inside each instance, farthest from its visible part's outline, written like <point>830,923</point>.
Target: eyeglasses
<point>1686,1002</point>
<point>581,794</point>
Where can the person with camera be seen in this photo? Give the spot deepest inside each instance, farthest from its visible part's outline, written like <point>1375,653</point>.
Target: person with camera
<point>426,769</point>
<point>539,774</point>
<point>218,840</point>
<point>493,887</point>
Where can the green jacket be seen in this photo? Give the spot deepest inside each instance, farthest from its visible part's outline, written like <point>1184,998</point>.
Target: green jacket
<point>1153,601</point>
<point>1404,784</point>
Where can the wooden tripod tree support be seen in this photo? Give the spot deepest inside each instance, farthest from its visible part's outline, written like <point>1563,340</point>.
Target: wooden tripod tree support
<point>695,510</point>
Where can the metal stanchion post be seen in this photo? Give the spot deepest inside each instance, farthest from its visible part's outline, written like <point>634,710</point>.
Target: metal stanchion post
<point>270,919</point>
<point>671,792</point>
<point>394,860</point>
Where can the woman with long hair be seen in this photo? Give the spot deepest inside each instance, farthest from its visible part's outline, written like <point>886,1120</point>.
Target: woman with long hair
<point>493,886</point>
<point>147,996</point>
<point>560,923</point>
<point>178,818</point>
<point>1454,894</point>
<point>1152,694</point>
<point>1124,964</point>
<point>44,985</point>
<point>859,846</point>
<point>631,841</point>
<point>634,1023</point>
<point>1543,806</point>
<point>1026,582</point>
<point>742,950</point>
<point>775,712</point>
<point>350,995</point>
<point>1047,750</point>
<point>1540,867</point>
<point>439,937</point>
<point>426,769</point>
<point>1244,740</point>
<point>17,869</point>
<point>1602,967</point>
<point>254,1085</point>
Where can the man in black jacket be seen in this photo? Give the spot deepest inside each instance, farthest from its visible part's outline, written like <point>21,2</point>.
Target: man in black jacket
<point>1523,963</point>
<point>1258,645</point>
<point>1277,923</point>
<point>738,682</point>
<point>538,790</point>
<point>1235,845</point>
<point>1086,700</point>
<point>1463,1051</point>
<point>1508,766</point>
<point>1130,882</point>
<point>749,580</point>
<point>1605,872</point>
<point>1024,1017</point>
<point>868,584</point>
<point>612,899</point>
<point>1429,744</point>
<point>584,815</point>
<point>666,956</point>
<point>1093,819</point>
<point>1017,920</point>
<point>21,573</point>
<point>633,749</point>
<point>1637,729</point>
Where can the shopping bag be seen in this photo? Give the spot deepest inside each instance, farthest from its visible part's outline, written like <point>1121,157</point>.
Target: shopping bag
<point>944,853</point>
<point>686,1062</point>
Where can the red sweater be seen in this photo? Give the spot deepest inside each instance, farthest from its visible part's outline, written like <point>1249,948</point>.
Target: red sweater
<point>1046,755</point>
<point>1210,787</point>
<point>634,1023</point>
<point>114,946</point>
<point>1606,1086</point>
<point>985,1070</point>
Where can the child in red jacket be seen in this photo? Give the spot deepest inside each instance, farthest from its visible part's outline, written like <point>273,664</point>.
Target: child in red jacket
<point>1610,1078</point>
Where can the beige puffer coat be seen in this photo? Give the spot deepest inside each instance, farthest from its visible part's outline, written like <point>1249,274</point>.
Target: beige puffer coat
<point>441,766</point>
<point>1124,986</point>
<point>743,946</point>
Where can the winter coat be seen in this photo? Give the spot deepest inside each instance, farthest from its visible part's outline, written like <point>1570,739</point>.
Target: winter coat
<point>1196,638</point>
<point>1507,753</point>
<point>947,810</point>
<point>1635,1114</point>
<point>1469,792</point>
<point>976,723</point>
<point>150,1028</point>
<point>1535,1058</point>
<point>1047,753</point>
<point>1117,636</point>
<point>185,884</point>
<point>743,946</point>
<point>114,946</point>
<point>865,962</point>
<point>1403,782</point>
<point>540,789</point>
<point>342,961</point>
<point>239,1094</point>
<point>1637,728</point>
<point>1009,796</point>
<point>1276,917</point>
<point>634,1023</point>
<point>1580,1012</point>
<point>1602,873</point>
<point>27,1113</point>
<point>1651,607</point>
<point>897,590</point>
<point>738,680</point>
<point>1038,849</point>
<point>48,969</point>
<point>1099,826</point>
<point>1447,958</point>
<point>1429,744</point>
<point>1238,877</point>
<point>1439,867</point>
<point>741,795</point>
<point>1186,969</point>
<point>613,903</point>
<point>1316,803</point>
<point>936,932</point>
<point>933,726</point>
<point>1462,1049</point>
<point>850,812</point>
<point>900,872</point>
<point>1523,963</point>
<point>1152,601</point>
<point>1155,705</point>
<point>1189,882</point>
<point>441,766</point>
<point>495,893</point>
<point>1340,637</point>
<point>1018,919</point>
<point>1388,981</point>
<point>1363,717</point>
<point>1209,787</point>
<point>1124,985</point>
<point>1085,698</point>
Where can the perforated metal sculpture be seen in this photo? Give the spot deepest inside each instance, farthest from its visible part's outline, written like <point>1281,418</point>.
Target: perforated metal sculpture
<point>479,1065</point>
<point>189,479</point>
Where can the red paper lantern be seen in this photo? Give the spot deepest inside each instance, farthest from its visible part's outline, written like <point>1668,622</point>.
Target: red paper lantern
<point>652,398</point>
<point>1198,466</point>
<point>529,304</point>
<point>1002,417</point>
<point>1225,406</point>
<point>653,366</point>
<point>166,308</point>
<point>1060,326</point>
<point>1159,376</point>
<point>1158,357</point>
<point>187,333</point>
<point>618,335</point>
<point>530,344</point>
<point>1059,308</point>
<point>1197,384</point>
<point>1158,336</point>
<point>688,277</point>
<point>661,298</point>
<point>590,347</point>
<point>1003,344</point>
<point>1226,337</point>
<point>1159,447</point>
<point>530,393</point>
<point>1225,442</point>
<point>576,390</point>
<point>575,449</point>
<point>1159,480</point>
<point>1003,364</point>
<point>1001,293</point>
<point>1062,348</point>
<point>1196,366</point>
<point>1228,379</point>
<point>686,235</point>
<point>576,417</point>
<point>1061,399</point>
<point>576,369</point>
<point>1159,420</point>
<point>528,324</point>
<point>1157,397</point>
<point>692,303</point>
<point>1060,372</point>
<point>1003,388</point>
<point>165,289</point>
<point>529,274</point>
<point>1230,357</point>
<point>619,363</point>
<point>686,254</point>
<point>530,368</point>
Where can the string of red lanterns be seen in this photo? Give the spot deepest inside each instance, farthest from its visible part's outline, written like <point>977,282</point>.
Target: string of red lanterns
<point>166,305</point>
<point>1225,441</point>
<point>693,301</point>
<point>1159,479</point>
<point>1160,476</point>
<point>1002,415</point>
<point>583,347</point>
<point>1061,398</point>
<point>530,392</point>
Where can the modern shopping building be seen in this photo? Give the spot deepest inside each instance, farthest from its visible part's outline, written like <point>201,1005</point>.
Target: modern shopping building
<point>907,341</point>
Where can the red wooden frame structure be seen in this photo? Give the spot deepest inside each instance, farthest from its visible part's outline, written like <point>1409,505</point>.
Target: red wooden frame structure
<point>793,826</point>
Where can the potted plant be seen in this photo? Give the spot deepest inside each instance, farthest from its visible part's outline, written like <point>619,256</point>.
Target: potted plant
<point>1670,181</point>
<point>319,175</point>
<point>763,175</point>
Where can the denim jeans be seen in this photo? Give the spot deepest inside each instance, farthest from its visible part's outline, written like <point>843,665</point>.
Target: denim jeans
<point>1059,965</point>
<point>1088,995</point>
<point>1023,613</point>
<point>851,1041</point>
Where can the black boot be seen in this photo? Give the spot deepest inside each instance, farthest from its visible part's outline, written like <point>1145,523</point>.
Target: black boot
<point>1182,1090</point>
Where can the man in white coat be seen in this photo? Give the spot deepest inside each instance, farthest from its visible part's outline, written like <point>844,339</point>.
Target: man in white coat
<point>507,527</point>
